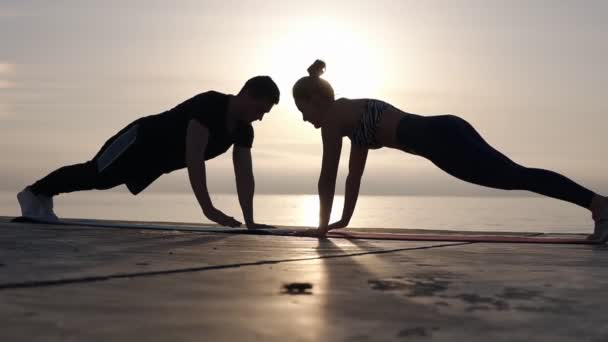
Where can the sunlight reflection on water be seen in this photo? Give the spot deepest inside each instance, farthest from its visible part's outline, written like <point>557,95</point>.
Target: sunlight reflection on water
<point>454,213</point>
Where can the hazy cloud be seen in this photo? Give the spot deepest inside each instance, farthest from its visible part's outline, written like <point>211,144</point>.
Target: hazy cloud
<point>531,82</point>
<point>8,13</point>
<point>5,84</point>
<point>6,68</point>
<point>3,111</point>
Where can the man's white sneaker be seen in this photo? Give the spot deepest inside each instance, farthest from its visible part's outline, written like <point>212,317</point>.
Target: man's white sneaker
<point>30,204</point>
<point>47,208</point>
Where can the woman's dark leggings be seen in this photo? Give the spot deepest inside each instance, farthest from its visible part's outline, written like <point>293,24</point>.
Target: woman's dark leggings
<point>454,145</point>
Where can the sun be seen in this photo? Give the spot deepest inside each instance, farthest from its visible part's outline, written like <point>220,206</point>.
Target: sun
<point>354,65</point>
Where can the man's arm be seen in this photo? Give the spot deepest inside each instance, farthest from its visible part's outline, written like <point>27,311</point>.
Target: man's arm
<point>245,184</point>
<point>197,137</point>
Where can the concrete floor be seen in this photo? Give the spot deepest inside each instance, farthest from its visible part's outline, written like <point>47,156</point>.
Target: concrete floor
<point>62,283</point>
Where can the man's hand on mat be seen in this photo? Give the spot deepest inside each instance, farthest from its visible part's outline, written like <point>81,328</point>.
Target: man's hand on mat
<point>253,225</point>
<point>337,225</point>
<point>221,218</point>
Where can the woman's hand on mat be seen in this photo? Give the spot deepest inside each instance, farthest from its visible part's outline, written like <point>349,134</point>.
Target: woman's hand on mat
<point>337,225</point>
<point>253,225</point>
<point>220,218</point>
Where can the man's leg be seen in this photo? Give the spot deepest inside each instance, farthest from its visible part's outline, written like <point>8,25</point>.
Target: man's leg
<point>70,178</point>
<point>36,200</point>
<point>110,167</point>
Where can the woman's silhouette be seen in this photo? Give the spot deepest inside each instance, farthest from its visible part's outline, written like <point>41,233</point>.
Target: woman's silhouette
<point>448,141</point>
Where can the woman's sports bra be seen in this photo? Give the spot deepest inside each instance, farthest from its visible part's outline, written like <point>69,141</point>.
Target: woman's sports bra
<point>364,134</point>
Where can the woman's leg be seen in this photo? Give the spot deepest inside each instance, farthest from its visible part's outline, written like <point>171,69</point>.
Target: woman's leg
<point>454,145</point>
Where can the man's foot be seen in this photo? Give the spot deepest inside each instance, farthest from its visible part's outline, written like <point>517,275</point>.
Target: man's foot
<point>36,206</point>
<point>30,204</point>
<point>47,208</point>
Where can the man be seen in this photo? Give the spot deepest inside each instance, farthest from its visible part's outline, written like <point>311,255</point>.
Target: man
<point>196,130</point>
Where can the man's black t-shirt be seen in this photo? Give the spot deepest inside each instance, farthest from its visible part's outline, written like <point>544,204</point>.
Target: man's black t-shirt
<point>161,139</point>
<point>167,131</point>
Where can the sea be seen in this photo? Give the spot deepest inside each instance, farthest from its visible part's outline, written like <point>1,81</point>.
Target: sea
<point>507,214</point>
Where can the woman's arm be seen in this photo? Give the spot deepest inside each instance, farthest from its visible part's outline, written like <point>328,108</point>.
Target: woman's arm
<point>332,146</point>
<point>356,165</point>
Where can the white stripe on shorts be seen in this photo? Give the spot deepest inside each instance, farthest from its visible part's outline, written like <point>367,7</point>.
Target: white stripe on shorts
<point>116,148</point>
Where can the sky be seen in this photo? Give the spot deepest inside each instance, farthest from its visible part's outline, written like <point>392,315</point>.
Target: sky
<point>531,76</point>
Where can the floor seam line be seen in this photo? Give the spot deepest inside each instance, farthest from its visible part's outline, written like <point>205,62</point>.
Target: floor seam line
<point>91,279</point>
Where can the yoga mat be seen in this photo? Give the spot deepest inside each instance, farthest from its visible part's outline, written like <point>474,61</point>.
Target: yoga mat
<point>344,233</point>
<point>495,238</point>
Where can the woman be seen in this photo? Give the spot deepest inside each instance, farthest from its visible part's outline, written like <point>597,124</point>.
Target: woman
<point>448,141</point>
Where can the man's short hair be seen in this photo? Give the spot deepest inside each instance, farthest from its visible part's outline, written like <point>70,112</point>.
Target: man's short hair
<point>262,87</point>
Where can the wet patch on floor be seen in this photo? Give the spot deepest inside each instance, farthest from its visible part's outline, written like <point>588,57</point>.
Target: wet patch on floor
<point>441,286</point>
<point>555,309</point>
<point>519,293</point>
<point>387,284</point>
<point>358,338</point>
<point>512,298</point>
<point>477,302</point>
<point>417,285</point>
<point>410,288</point>
<point>427,288</point>
<point>417,332</point>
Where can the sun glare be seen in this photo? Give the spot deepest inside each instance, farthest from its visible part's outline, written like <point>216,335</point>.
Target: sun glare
<point>309,210</point>
<point>354,66</point>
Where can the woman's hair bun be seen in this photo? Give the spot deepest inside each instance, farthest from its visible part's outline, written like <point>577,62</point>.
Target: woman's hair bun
<point>316,69</point>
